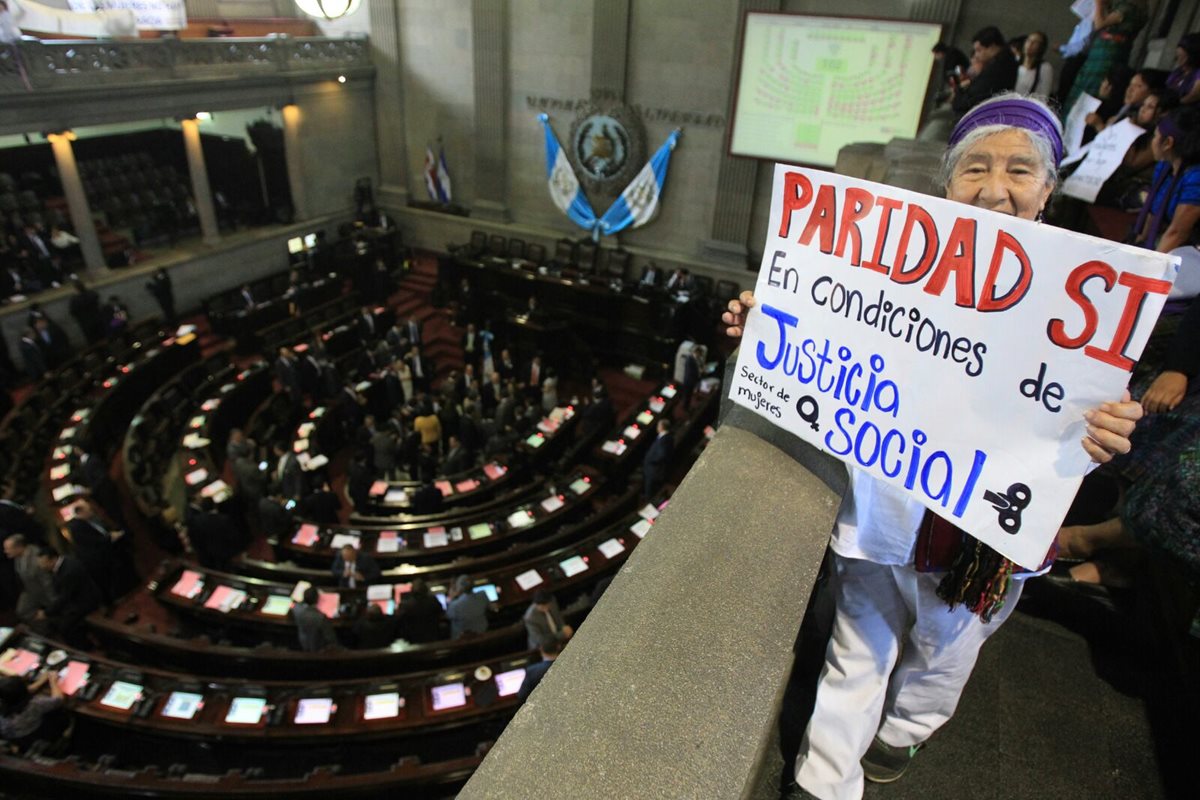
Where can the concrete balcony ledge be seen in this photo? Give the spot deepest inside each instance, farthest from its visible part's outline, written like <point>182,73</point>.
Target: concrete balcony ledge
<point>671,688</point>
<point>67,64</point>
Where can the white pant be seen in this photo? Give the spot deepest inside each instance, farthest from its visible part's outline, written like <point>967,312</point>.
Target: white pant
<point>878,608</point>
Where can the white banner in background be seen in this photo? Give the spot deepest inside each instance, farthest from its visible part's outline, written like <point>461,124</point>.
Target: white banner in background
<point>151,15</point>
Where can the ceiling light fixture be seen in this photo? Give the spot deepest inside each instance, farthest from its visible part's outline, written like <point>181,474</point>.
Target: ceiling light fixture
<point>328,9</point>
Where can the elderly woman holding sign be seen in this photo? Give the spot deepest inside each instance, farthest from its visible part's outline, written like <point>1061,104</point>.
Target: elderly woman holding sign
<point>906,635</point>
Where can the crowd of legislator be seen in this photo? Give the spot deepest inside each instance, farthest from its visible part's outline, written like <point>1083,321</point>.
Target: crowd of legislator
<point>1152,200</point>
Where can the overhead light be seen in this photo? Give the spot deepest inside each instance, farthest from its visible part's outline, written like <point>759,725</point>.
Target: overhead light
<point>328,9</point>
<point>341,78</point>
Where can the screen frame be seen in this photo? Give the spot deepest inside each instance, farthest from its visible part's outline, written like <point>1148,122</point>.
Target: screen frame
<point>326,705</point>
<point>731,112</point>
<point>262,715</point>
<point>171,699</point>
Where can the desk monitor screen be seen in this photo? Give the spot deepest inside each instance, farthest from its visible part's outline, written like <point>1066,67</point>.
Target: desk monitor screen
<point>581,486</point>
<point>808,85</point>
<point>183,705</point>
<point>122,695</point>
<point>190,584</point>
<point>385,705</point>
<point>509,683</point>
<point>314,710</point>
<point>73,677</point>
<point>296,245</point>
<point>246,710</point>
<point>19,662</point>
<point>449,695</point>
<point>310,240</point>
<point>537,440</point>
<point>490,590</point>
<point>573,566</point>
<point>277,605</point>
<point>480,530</point>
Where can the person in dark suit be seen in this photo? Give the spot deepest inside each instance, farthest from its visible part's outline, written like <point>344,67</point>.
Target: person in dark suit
<point>248,301</point>
<point>427,499</point>
<point>422,369</point>
<point>397,339</point>
<point>999,72</point>
<point>354,570</point>
<point>213,535</point>
<point>101,551</point>
<point>85,309</point>
<point>489,393</point>
<point>366,325</point>
<point>321,506</point>
<point>691,376</point>
<point>506,366</point>
<point>16,518</point>
<point>33,355</point>
<point>289,477</point>
<point>420,615</point>
<point>75,596</point>
<point>164,294</point>
<point>457,458</point>
<point>658,459</point>
<point>374,629</point>
<point>598,415</point>
<point>313,628</point>
<point>56,347</point>
<point>651,276</point>
<point>275,518</point>
<point>535,672</point>
<point>544,621</point>
<point>287,372</point>
<point>472,346</point>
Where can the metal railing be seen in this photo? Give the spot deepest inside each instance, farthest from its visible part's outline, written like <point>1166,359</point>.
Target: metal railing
<point>64,64</point>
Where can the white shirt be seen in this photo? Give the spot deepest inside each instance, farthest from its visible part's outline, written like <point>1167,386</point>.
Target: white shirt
<point>877,522</point>
<point>9,32</point>
<point>1039,82</point>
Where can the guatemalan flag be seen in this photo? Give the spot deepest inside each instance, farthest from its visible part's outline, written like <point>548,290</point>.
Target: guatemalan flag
<point>433,182</point>
<point>638,204</point>
<point>443,175</point>
<point>564,186</point>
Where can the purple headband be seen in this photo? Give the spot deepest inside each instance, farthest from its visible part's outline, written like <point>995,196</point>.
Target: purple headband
<point>1015,112</point>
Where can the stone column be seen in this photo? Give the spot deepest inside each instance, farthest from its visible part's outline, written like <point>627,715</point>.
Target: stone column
<point>389,102</point>
<point>209,232</point>
<point>295,162</point>
<point>736,178</point>
<point>77,202</point>
<point>610,49</point>
<point>489,37</point>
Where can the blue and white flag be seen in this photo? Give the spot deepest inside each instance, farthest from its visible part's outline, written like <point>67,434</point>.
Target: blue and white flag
<point>638,204</point>
<point>443,175</point>
<point>564,186</point>
<point>433,181</point>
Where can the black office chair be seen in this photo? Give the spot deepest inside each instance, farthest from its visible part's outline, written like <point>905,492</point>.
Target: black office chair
<point>498,246</point>
<point>536,253</point>
<point>516,248</point>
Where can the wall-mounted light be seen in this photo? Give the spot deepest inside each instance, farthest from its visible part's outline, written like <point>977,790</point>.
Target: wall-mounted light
<point>328,9</point>
<point>341,78</point>
<point>204,116</point>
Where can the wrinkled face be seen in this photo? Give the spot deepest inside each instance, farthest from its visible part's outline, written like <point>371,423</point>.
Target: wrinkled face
<point>1136,91</point>
<point>1148,111</point>
<point>1002,172</point>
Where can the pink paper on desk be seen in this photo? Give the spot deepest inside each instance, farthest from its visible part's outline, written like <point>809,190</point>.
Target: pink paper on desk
<point>401,590</point>
<point>73,677</point>
<point>327,603</point>
<point>19,662</point>
<point>307,536</point>
<point>494,470</point>
<point>378,488</point>
<point>189,585</point>
<point>445,488</point>
<point>467,485</point>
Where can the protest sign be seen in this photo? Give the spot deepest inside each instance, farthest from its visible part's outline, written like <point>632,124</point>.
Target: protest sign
<point>943,348</point>
<point>1076,123</point>
<point>1104,155</point>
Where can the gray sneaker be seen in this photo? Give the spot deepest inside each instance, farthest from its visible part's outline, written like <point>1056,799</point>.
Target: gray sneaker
<point>884,763</point>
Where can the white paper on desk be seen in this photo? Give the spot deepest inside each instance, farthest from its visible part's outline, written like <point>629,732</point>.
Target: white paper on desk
<point>640,528</point>
<point>340,540</point>
<point>388,542</point>
<point>195,476</point>
<point>379,591</point>
<point>632,432</point>
<point>552,503</point>
<point>66,490</point>
<point>520,519</point>
<point>300,446</point>
<point>611,548</point>
<point>214,487</point>
<point>194,441</point>
<point>302,459</point>
<point>528,580</point>
<point>67,433</point>
<point>648,512</point>
<point>657,405</point>
<point>316,462</point>
<point>396,496</point>
<point>436,539</point>
<point>305,430</point>
<point>60,472</point>
<point>363,386</point>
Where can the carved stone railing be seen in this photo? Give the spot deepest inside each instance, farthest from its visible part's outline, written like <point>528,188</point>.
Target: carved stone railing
<point>67,64</point>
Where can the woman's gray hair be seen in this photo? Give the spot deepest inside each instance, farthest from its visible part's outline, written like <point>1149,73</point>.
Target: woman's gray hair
<point>1044,150</point>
